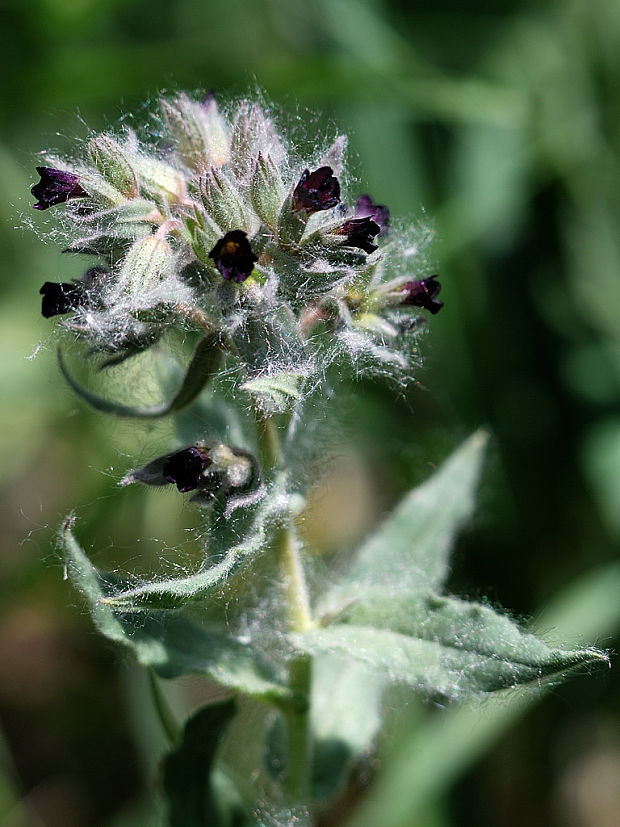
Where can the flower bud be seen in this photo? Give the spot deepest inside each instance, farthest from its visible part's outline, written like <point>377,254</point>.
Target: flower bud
<point>253,132</point>
<point>159,179</point>
<point>111,160</point>
<point>222,201</point>
<point>145,266</point>
<point>198,131</point>
<point>266,190</point>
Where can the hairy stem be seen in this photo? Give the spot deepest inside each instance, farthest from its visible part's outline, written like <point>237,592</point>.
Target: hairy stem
<point>287,550</point>
<point>268,442</point>
<point>296,590</point>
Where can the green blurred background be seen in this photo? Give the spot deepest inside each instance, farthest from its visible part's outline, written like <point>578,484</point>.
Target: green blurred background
<point>502,121</point>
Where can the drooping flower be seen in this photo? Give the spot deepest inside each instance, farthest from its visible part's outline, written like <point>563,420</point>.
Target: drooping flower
<point>55,187</point>
<point>233,256</point>
<point>61,297</point>
<point>359,232</point>
<point>380,214</point>
<point>316,191</point>
<point>186,468</point>
<point>209,469</point>
<point>64,297</point>
<point>423,293</point>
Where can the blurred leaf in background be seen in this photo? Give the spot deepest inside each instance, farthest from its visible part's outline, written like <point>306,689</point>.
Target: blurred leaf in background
<point>502,122</point>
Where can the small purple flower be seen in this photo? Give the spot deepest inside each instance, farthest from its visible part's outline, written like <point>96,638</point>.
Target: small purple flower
<point>55,187</point>
<point>316,191</point>
<point>233,256</point>
<point>380,214</point>
<point>62,297</point>
<point>422,293</point>
<point>186,468</point>
<point>359,232</point>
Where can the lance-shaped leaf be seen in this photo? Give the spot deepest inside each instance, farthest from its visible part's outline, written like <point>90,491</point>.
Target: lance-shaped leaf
<point>452,622</point>
<point>277,392</point>
<point>200,369</point>
<point>169,642</point>
<point>188,771</point>
<point>176,592</point>
<point>450,667</point>
<point>410,549</point>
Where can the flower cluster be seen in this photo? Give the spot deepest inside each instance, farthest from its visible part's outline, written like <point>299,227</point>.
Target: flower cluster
<point>219,227</point>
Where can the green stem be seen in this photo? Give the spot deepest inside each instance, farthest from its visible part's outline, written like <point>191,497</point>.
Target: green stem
<point>299,736</point>
<point>268,442</point>
<point>286,548</point>
<point>298,602</point>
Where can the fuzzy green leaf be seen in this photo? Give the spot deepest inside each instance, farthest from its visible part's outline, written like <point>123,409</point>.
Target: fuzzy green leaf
<point>346,716</point>
<point>174,593</point>
<point>169,642</point>
<point>450,666</point>
<point>187,772</point>
<point>199,371</point>
<point>277,392</point>
<point>410,550</point>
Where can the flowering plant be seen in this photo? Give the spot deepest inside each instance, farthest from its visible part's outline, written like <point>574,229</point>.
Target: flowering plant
<point>219,234</point>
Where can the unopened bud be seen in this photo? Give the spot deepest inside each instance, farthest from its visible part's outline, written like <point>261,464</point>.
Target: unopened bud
<point>266,190</point>
<point>222,201</point>
<point>145,266</point>
<point>159,179</point>
<point>199,132</point>
<point>111,160</point>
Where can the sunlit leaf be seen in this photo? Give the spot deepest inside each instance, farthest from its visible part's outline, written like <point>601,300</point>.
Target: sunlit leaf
<point>175,592</point>
<point>169,642</point>
<point>448,667</point>
<point>410,549</point>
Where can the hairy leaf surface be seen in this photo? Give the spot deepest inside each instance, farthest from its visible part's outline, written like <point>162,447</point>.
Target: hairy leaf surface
<point>173,593</point>
<point>410,550</point>
<point>169,642</point>
<point>446,667</point>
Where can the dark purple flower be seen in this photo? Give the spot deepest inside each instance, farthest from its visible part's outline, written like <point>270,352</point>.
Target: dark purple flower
<point>233,256</point>
<point>62,297</point>
<point>380,214</point>
<point>422,293</point>
<point>55,187</point>
<point>359,232</point>
<point>186,468</point>
<point>316,191</point>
